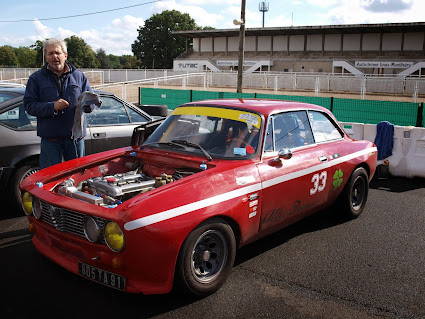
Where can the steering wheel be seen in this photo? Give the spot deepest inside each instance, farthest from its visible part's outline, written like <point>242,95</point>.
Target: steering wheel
<point>234,140</point>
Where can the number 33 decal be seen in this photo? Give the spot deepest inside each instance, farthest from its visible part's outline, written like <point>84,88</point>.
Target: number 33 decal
<point>319,182</point>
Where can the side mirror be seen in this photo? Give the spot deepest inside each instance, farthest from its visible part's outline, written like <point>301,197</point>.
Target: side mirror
<point>285,154</point>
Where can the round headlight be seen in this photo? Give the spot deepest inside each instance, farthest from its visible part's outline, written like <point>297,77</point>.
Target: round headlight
<point>114,237</point>
<point>36,208</point>
<point>91,229</point>
<point>27,203</point>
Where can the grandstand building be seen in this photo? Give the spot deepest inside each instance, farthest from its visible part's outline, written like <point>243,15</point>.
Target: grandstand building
<point>389,49</point>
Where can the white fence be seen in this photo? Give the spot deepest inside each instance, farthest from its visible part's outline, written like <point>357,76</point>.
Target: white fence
<point>316,82</point>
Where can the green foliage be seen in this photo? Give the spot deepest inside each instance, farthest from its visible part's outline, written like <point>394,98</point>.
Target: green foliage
<point>7,56</point>
<point>27,57</point>
<point>38,47</point>
<point>105,62</point>
<point>155,46</point>
<point>80,53</point>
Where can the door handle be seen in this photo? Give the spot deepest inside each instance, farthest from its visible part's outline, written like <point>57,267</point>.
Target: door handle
<point>323,158</point>
<point>99,135</point>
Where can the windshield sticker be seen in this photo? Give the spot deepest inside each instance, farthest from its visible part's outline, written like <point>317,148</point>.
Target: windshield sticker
<point>239,151</point>
<point>249,118</point>
<point>237,115</point>
<point>250,150</point>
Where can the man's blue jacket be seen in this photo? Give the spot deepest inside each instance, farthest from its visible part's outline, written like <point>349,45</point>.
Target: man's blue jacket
<point>43,91</point>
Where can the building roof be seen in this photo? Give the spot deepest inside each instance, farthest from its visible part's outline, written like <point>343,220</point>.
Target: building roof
<point>302,30</point>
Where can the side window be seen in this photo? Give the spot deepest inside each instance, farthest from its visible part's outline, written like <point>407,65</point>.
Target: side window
<point>324,129</point>
<point>111,112</point>
<point>291,130</point>
<point>269,143</point>
<point>5,97</point>
<point>135,117</point>
<point>18,119</point>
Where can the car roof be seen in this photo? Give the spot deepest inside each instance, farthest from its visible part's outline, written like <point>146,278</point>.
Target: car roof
<point>263,106</point>
<point>15,90</point>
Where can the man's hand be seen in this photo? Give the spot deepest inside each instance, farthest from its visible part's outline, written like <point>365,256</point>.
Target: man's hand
<point>60,105</point>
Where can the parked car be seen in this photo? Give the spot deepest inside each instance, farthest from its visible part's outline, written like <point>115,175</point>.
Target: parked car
<point>109,127</point>
<point>214,176</point>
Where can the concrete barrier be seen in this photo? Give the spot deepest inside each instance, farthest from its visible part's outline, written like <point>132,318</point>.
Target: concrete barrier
<point>354,130</point>
<point>408,158</point>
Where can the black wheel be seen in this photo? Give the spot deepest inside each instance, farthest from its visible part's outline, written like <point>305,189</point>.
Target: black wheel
<point>206,258</point>
<point>14,193</point>
<point>354,196</point>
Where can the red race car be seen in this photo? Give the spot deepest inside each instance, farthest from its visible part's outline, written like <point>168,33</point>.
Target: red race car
<point>214,176</point>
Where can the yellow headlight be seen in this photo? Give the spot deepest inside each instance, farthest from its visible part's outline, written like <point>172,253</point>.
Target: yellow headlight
<point>114,236</point>
<point>27,203</point>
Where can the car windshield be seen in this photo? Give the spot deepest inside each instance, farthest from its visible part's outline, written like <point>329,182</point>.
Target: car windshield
<point>211,131</point>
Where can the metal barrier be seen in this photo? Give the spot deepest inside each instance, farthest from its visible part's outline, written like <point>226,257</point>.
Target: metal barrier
<point>412,86</point>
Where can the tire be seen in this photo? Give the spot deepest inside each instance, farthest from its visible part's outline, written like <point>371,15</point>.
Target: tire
<point>206,258</point>
<point>354,196</point>
<point>14,193</point>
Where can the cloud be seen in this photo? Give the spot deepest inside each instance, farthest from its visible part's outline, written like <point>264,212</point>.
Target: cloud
<point>42,31</point>
<point>115,38</point>
<point>202,17</point>
<point>386,5</point>
<point>371,11</point>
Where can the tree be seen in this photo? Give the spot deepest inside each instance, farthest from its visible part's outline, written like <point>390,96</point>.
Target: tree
<point>80,53</point>
<point>38,47</point>
<point>27,57</point>
<point>7,56</point>
<point>155,46</point>
<point>105,62</point>
<point>115,61</point>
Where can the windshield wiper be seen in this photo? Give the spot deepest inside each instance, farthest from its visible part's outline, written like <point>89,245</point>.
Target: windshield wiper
<point>189,144</point>
<point>162,143</point>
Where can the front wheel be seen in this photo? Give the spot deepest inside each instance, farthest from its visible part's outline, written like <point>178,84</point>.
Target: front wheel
<point>354,196</point>
<point>14,193</point>
<point>206,258</point>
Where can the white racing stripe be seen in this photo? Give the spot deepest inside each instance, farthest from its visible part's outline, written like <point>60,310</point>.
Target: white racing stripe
<point>181,210</point>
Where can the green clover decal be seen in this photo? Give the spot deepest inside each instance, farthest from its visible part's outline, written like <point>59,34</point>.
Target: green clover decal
<point>337,179</point>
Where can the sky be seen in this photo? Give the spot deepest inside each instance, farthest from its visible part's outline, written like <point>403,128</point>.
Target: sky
<point>112,25</point>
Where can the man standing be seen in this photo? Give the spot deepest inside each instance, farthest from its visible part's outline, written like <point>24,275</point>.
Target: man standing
<point>52,95</point>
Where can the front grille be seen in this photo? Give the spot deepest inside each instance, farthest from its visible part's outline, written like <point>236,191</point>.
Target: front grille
<point>65,220</point>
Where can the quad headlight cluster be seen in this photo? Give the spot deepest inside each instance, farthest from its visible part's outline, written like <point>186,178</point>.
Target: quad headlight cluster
<point>112,233</point>
<point>31,205</point>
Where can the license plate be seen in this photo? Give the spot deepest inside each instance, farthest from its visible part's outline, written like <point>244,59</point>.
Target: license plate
<point>101,276</point>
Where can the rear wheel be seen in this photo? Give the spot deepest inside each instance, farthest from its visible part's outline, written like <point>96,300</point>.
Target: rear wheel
<point>14,193</point>
<point>206,258</point>
<point>354,196</point>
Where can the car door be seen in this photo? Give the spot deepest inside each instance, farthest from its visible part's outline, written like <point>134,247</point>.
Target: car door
<point>111,126</point>
<point>296,186</point>
<point>330,138</point>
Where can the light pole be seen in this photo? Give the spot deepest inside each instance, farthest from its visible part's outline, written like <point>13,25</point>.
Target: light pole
<point>241,47</point>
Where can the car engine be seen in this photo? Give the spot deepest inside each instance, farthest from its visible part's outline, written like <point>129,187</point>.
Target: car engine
<point>112,190</point>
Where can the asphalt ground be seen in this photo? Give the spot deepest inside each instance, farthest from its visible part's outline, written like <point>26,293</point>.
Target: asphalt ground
<point>322,267</point>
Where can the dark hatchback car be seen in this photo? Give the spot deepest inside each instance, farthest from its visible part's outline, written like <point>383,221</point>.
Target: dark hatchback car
<point>109,127</point>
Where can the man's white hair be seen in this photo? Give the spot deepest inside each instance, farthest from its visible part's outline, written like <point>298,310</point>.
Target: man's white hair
<point>54,41</point>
